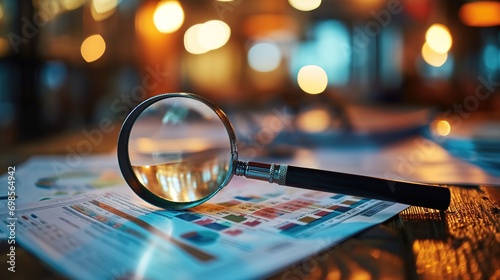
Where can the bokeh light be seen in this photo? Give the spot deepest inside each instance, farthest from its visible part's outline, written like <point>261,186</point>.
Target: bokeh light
<point>104,6</point>
<point>438,38</point>
<point>168,16</point>
<point>191,42</point>
<point>305,5</point>
<point>264,56</point>
<point>480,13</point>
<point>312,79</point>
<point>71,4</point>
<point>313,121</point>
<point>93,48</point>
<point>211,35</point>
<point>102,9</point>
<point>441,127</point>
<point>433,58</point>
<point>214,34</point>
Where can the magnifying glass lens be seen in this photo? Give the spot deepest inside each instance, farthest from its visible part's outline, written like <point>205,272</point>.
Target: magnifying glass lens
<point>180,150</point>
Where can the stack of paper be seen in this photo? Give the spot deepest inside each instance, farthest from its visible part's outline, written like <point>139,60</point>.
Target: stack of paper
<point>249,230</point>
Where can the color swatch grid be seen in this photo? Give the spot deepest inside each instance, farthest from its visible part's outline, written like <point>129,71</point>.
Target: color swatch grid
<point>291,214</point>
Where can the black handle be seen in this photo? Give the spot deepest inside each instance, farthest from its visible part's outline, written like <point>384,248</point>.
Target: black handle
<point>398,191</point>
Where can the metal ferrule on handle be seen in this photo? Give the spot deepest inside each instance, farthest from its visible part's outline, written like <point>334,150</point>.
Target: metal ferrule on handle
<point>272,173</point>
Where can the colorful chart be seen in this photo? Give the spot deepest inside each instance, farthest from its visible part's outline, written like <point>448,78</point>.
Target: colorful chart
<point>291,214</point>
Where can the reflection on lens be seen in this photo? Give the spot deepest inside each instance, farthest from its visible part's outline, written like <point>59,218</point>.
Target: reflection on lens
<point>185,181</point>
<point>180,150</point>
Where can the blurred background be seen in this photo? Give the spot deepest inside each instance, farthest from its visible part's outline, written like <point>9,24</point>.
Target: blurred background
<point>70,64</point>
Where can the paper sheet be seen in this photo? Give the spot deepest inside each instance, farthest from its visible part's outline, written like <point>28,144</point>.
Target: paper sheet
<point>249,230</point>
<point>46,177</point>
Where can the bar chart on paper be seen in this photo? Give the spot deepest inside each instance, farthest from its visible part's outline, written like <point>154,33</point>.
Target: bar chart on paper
<point>294,213</point>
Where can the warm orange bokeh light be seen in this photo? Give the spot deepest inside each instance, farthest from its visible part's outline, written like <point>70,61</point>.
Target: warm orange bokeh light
<point>103,9</point>
<point>305,5</point>
<point>93,48</point>
<point>72,4</point>
<point>441,127</point>
<point>312,79</point>
<point>480,13</point>
<point>191,42</point>
<point>204,37</point>
<point>214,34</point>
<point>168,16</point>
<point>433,58</point>
<point>438,38</point>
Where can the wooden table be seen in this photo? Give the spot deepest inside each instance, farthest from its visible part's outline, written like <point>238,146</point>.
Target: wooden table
<point>419,243</point>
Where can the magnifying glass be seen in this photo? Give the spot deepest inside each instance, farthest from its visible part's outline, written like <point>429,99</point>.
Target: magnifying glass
<point>177,150</point>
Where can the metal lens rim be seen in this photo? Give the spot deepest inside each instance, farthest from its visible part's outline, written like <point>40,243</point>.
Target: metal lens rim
<point>126,166</point>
